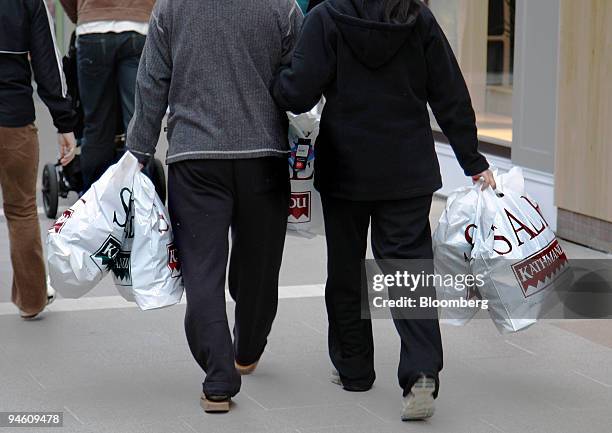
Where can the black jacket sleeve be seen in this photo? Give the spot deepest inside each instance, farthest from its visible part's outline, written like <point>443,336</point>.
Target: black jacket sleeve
<point>449,99</point>
<point>299,87</point>
<point>48,73</point>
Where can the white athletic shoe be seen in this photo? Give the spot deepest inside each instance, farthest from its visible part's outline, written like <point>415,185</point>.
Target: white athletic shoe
<point>50,292</point>
<point>335,377</point>
<point>419,403</point>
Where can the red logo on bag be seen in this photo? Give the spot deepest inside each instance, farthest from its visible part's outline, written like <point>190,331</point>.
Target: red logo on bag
<point>299,206</point>
<point>173,262</point>
<point>538,270</point>
<point>62,220</point>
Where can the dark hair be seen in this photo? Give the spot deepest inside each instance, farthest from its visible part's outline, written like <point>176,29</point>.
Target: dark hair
<point>396,11</point>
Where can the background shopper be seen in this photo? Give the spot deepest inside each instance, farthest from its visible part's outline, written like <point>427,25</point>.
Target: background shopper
<point>27,44</point>
<point>110,39</point>
<point>212,63</point>
<point>379,63</point>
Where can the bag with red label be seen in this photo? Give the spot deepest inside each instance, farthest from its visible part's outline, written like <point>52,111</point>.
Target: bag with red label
<point>305,211</point>
<point>83,243</point>
<point>452,247</point>
<point>147,270</point>
<point>522,264</point>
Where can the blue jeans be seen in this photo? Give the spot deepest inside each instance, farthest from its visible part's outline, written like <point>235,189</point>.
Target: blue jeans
<point>107,67</point>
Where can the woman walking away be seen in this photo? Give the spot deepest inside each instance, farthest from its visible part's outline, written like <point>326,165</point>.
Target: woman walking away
<point>379,63</point>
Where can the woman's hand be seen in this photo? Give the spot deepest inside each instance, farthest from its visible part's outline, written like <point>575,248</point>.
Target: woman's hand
<point>67,147</point>
<point>487,179</point>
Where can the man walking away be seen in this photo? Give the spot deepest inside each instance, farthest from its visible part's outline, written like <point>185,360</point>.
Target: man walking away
<point>212,62</point>
<point>26,29</point>
<point>110,38</point>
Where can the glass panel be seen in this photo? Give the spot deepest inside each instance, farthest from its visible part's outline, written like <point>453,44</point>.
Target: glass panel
<point>481,33</point>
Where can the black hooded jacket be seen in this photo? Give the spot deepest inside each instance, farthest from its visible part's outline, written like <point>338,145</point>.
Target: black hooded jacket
<point>375,140</point>
<point>27,36</point>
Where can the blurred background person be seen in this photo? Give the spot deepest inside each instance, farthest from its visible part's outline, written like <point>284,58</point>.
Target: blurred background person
<point>379,63</point>
<point>110,38</point>
<point>27,44</point>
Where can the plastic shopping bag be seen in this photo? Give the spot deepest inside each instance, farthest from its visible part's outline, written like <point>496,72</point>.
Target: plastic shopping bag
<point>83,243</point>
<point>147,269</point>
<point>452,247</point>
<point>517,254</point>
<point>305,211</point>
<point>453,242</point>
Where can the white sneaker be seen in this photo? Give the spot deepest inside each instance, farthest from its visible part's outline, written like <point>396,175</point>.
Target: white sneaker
<point>51,295</point>
<point>335,377</point>
<point>419,403</point>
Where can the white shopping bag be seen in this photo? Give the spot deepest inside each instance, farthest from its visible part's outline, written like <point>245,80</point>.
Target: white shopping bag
<point>453,242</point>
<point>305,211</point>
<point>147,269</point>
<point>452,247</point>
<point>522,264</point>
<point>84,242</point>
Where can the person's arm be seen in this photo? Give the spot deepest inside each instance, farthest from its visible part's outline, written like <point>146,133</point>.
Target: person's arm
<point>450,100</point>
<point>291,25</point>
<point>47,67</point>
<point>152,86</point>
<point>70,7</point>
<point>299,87</point>
<point>50,80</point>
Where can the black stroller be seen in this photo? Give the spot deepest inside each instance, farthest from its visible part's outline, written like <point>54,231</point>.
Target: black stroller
<point>58,181</point>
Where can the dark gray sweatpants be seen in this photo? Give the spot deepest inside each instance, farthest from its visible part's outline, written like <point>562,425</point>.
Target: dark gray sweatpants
<point>207,198</point>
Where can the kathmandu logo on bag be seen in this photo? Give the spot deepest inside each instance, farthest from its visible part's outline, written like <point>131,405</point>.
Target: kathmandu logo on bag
<point>539,269</point>
<point>121,267</point>
<point>173,262</point>
<point>106,254</point>
<point>299,207</point>
<point>62,220</point>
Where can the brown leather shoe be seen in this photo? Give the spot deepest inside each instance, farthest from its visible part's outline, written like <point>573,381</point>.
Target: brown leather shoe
<point>245,369</point>
<point>215,403</point>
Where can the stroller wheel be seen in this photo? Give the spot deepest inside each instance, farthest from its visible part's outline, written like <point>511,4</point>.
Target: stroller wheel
<point>50,190</point>
<point>158,177</point>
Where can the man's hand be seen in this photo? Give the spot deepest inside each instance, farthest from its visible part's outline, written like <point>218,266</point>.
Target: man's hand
<point>67,147</point>
<point>487,179</point>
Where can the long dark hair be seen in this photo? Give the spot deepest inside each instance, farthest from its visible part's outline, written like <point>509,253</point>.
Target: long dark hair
<point>395,11</point>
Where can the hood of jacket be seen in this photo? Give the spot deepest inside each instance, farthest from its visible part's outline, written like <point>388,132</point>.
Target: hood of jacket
<point>372,36</point>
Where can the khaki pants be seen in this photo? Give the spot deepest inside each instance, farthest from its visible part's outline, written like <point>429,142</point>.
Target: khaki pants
<point>18,172</point>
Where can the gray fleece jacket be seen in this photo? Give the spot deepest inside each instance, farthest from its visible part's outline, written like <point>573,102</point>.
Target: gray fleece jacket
<point>212,62</point>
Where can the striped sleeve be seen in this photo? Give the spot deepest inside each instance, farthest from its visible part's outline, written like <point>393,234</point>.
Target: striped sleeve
<point>291,25</point>
<point>47,67</point>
